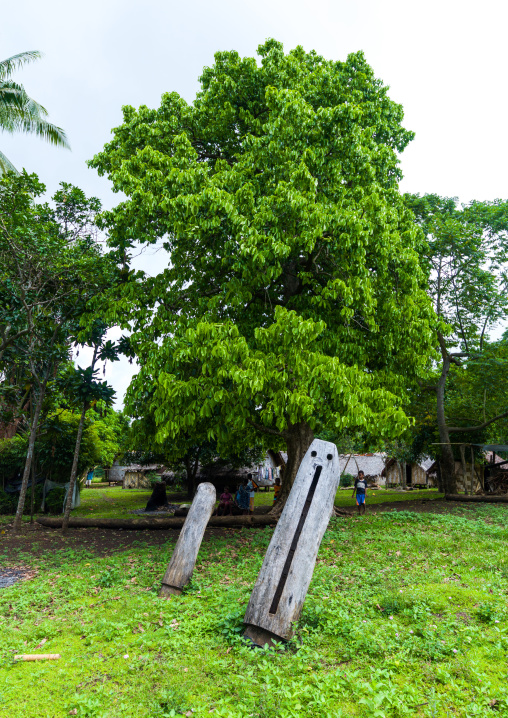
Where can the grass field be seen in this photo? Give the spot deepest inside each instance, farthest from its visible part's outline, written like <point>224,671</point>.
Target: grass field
<point>115,502</point>
<point>406,616</point>
<point>103,501</point>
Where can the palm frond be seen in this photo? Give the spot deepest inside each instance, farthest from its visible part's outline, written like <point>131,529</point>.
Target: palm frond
<point>18,111</point>
<point>7,67</point>
<point>14,95</point>
<point>49,132</point>
<point>6,165</point>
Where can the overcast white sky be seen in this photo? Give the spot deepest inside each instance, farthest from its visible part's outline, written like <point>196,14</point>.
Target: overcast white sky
<point>445,61</point>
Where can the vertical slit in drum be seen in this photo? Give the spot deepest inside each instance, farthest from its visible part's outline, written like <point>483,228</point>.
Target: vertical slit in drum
<point>294,543</point>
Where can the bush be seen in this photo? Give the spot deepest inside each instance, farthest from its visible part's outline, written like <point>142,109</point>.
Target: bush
<point>347,480</point>
<point>54,501</point>
<point>7,505</point>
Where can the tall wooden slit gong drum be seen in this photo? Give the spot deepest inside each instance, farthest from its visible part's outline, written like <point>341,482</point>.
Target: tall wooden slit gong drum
<point>186,550</point>
<point>277,598</point>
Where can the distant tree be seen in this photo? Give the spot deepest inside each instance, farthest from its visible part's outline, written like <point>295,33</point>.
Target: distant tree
<point>87,391</point>
<point>50,272</point>
<point>294,300</point>
<point>466,258</point>
<point>18,112</point>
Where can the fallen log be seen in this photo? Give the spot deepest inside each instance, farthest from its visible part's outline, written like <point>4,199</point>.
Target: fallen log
<point>157,523</point>
<point>478,499</point>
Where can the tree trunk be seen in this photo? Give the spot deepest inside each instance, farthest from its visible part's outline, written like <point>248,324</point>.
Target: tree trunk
<point>447,462</point>
<point>472,472</point>
<point>29,456</point>
<point>74,470</point>
<point>191,469</point>
<point>32,492</point>
<point>32,488</point>
<point>439,478</point>
<point>463,464</point>
<point>158,497</point>
<point>298,439</point>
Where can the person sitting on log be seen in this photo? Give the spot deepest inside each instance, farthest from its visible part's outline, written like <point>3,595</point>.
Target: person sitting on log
<point>225,503</point>
<point>276,489</point>
<point>242,498</point>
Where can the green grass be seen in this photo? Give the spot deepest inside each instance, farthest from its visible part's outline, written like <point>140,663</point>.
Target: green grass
<point>381,496</point>
<point>115,502</point>
<point>111,502</point>
<point>406,615</point>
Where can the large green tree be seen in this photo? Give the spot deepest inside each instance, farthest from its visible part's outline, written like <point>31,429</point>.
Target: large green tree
<point>293,299</point>
<point>465,255</point>
<point>19,112</point>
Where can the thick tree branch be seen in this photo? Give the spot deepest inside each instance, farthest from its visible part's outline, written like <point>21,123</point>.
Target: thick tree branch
<point>265,429</point>
<point>480,426</point>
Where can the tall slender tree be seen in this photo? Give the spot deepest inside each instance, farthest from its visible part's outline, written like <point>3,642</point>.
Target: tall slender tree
<point>87,391</point>
<point>466,256</point>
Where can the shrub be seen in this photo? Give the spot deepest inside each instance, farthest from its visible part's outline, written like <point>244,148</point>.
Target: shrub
<point>54,500</point>
<point>347,480</point>
<point>7,505</point>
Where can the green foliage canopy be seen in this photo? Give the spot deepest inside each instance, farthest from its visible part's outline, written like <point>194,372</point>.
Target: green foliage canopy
<point>294,295</point>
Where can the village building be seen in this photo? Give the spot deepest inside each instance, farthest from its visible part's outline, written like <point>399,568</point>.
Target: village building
<point>410,474</point>
<point>372,465</point>
<point>134,476</point>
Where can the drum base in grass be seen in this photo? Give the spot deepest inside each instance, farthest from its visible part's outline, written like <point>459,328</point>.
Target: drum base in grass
<point>169,590</point>
<point>261,637</point>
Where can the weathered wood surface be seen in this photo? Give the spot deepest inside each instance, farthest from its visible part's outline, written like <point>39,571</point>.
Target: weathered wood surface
<point>277,599</point>
<point>159,524</point>
<point>478,499</point>
<point>186,550</point>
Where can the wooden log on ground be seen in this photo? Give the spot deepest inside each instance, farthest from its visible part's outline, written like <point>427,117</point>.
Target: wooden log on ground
<point>277,598</point>
<point>37,657</point>
<point>184,556</point>
<point>493,499</point>
<point>157,523</point>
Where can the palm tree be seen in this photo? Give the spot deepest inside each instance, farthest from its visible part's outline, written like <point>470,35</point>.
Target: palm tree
<point>18,112</point>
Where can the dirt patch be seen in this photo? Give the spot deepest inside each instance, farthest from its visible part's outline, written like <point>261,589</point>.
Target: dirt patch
<point>37,540</point>
<point>465,617</point>
<point>10,576</point>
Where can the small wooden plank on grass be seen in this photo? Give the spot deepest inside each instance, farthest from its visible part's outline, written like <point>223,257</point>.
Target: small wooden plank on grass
<point>37,657</point>
<point>186,550</point>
